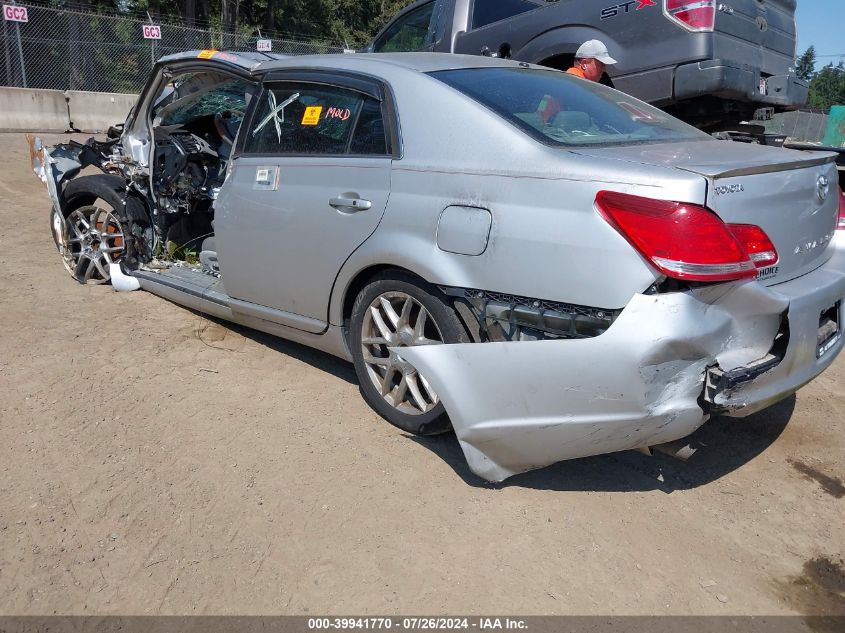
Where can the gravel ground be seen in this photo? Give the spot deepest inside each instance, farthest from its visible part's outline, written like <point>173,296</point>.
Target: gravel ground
<point>155,461</point>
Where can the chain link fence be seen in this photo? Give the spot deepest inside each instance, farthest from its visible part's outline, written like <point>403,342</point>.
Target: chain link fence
<point>70,50</point>
<point>800,127</point>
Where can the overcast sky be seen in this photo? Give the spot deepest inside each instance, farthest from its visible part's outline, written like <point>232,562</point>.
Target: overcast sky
<point>822,23</point>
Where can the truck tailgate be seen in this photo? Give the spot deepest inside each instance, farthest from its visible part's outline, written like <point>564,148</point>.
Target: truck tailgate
<point>759,32</point>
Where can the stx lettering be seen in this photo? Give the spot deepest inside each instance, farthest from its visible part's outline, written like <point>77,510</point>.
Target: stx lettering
<point>625,7</point>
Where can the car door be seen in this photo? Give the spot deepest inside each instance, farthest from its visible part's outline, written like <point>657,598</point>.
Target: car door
<point>309,184</point>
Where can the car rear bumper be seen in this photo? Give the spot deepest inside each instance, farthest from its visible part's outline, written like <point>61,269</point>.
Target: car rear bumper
<point>733,80</point>
<point>805,356</point>
<point>520,406</point>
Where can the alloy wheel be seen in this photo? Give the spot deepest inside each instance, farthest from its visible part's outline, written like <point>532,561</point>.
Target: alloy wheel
<point>396,319</point>
<point>93,239</point>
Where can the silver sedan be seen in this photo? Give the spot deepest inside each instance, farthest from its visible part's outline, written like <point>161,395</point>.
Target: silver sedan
<point>545,265</point>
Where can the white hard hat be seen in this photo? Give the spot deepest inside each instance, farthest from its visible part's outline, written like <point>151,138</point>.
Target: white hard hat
<point>595,49</point>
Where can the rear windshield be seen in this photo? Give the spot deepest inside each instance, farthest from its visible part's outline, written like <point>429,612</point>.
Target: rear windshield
<point>559,109</point>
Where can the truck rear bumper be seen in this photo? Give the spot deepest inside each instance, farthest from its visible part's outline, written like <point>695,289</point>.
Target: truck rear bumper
<point>732,80</point>
<point>524,405</point>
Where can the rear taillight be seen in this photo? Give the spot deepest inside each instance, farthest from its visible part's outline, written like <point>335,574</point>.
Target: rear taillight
<point>840,225</point>
<point>687,241</point>
<point>697,16</point>
<point>756,243</point>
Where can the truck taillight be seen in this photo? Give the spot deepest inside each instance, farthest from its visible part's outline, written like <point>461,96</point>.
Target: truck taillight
<point>698,16</point>
<point>840,225</point>
<point>687,241</point>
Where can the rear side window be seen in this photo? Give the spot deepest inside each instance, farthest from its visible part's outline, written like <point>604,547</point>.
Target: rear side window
<point>486,12</point>
<point>559,109</point>
<point>309,119</point>
<point>370,137</point>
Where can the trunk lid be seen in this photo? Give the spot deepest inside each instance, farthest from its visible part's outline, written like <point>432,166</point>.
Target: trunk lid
<point>781,191</point>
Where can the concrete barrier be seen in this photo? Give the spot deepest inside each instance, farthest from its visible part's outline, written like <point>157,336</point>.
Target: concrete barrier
<point>22,109</point>
<point>29,110</point>
<point>96,111</point>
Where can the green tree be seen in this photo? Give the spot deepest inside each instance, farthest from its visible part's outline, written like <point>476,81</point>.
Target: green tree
<point>805,67</point>
<point>828,87</point>
<point>351,21</point>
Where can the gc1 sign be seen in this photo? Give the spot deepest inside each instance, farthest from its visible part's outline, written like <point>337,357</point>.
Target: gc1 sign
<point>265,46</point>
<point>151,31</point>
<point>13,13</point>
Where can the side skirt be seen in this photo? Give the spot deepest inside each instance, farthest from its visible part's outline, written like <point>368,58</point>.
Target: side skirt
<point>205,294</point>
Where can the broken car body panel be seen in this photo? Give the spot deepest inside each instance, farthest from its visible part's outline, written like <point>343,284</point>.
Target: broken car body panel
<point>52,165</point>
<point>520,406</point>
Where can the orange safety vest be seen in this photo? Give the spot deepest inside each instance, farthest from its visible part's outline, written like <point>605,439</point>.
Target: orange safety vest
<point>577,72</point>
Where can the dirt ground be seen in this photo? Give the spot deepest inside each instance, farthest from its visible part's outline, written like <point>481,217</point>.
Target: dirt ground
<point>153,461</point>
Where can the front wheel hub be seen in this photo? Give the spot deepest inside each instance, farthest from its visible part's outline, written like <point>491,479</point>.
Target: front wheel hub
<point>90,239</point>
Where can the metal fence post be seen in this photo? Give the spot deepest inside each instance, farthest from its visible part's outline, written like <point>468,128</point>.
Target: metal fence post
<point>6,51</point>
<point>20,51</point>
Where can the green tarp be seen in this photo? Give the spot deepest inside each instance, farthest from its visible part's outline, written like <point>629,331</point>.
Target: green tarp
<point>835,134</point>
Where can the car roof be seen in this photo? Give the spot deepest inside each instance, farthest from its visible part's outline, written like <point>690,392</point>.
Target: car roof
<point>371,63</point>
<point>420,62</point>
<point>245,59</point>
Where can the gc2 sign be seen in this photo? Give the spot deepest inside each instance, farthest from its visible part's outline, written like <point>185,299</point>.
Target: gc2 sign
<point>264,46</point>
<point>13,13</point>
<point>151,31</point>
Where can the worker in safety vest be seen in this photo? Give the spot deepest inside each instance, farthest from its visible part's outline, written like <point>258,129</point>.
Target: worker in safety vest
<point>591,60</point>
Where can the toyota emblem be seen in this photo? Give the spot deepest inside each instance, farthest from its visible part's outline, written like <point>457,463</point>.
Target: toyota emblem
<point>824,188</point>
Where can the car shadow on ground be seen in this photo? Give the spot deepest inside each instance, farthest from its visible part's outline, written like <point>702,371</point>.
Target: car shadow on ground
<point>722,446</point>
<point>323,361</point>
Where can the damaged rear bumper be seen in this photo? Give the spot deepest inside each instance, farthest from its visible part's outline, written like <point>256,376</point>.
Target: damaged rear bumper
<point>524,405</point>
<point>815,339</point>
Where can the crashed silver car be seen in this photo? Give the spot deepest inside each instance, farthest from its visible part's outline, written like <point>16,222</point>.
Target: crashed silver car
<point>549,267</point>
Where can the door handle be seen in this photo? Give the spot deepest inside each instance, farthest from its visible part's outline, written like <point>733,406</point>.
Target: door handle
<point>348,202</point>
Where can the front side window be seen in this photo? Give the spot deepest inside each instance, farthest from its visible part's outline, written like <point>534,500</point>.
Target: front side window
<point>196,95</point>
<point>408,33</point>
<point>311,119</point>
<point>486,12</point>
<point>440,22</point>
<point>559,109</point>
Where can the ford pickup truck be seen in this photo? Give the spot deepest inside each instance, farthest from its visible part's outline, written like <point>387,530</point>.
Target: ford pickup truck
<point>712,64</point>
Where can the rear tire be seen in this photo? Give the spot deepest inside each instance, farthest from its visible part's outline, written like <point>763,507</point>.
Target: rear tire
<point>397,309</point>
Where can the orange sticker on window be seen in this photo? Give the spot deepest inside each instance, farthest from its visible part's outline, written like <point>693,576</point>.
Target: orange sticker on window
<point>207,53</point>
<point>312,115</point>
